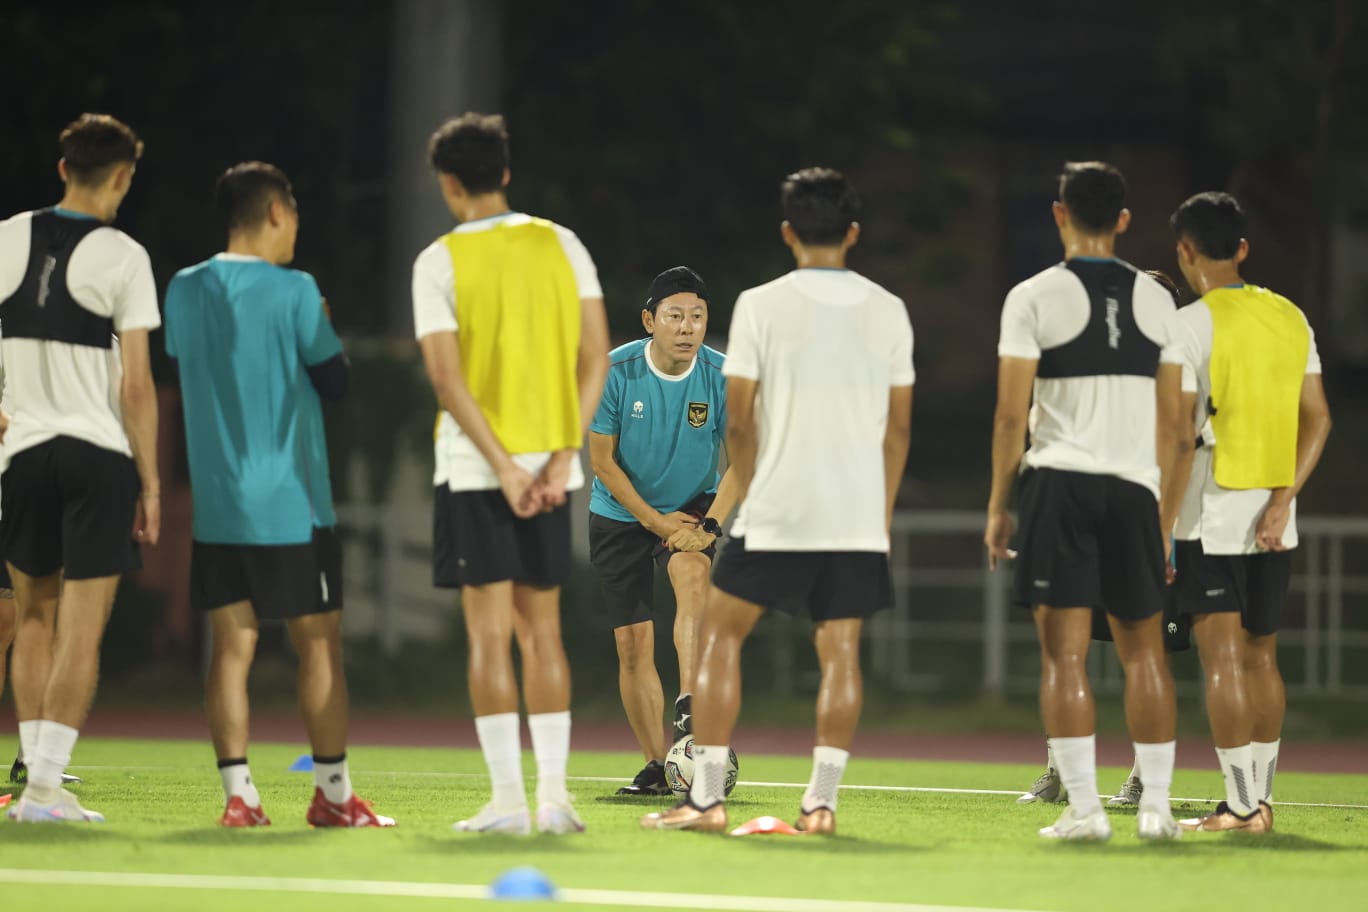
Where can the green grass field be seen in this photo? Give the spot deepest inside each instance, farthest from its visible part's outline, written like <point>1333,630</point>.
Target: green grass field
<point>915,848</point>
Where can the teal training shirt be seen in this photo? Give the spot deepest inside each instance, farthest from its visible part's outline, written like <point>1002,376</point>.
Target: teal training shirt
<point>243,333</point>
<point>670,430</point>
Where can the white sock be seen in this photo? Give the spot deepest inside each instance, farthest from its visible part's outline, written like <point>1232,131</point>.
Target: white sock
<point>334,779</point>
<point>501,744</point>
<point>1265,765</point>
<point>1077,758</point>
<point>1050,757</point>
<point>1237,766</point>
<point>1154,766</point>
<point>237,782</point>
<point>710,775</point>
<point>551,746</point>
<point>828,766</point>
<point>49,760</point>
<point>28,738</point>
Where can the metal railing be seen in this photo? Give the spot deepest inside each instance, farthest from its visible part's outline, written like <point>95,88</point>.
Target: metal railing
<point>952,625</point>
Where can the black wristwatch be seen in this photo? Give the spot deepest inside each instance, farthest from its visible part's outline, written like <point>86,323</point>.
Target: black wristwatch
<point>711,526</point>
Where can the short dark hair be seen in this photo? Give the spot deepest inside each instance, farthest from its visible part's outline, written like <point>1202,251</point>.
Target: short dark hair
<point>1166,280</point>
<point>820,205</point>
<point>244,194</point>
<point>1094,192</point>
<point>1214,222</point>
<point>92,144</point>
<point>473,148</point>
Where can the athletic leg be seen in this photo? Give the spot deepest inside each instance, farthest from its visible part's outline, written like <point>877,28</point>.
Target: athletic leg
<point>1067,709</point>
<point>1267,706</point>
<point>1151,717</point>
<point>689,576</point>
<point>1220,643</point>
<point>642,695</point>
<point>839,698</point>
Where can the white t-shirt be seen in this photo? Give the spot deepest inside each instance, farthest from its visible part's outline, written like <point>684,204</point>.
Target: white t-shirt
<point>1094,406</point>
<point>826,345</point>
<point>457,462</point>
<point>62,389</point>
<point>1223,519</point>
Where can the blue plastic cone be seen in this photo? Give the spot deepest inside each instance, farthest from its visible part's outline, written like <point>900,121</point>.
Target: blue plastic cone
<point>303,765</point>
<point>522,884</point>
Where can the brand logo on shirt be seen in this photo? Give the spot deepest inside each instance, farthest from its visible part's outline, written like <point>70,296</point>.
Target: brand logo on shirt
<point>1213,593</point>
<point>45,280</point>
<point>1113,327</point>
<point>698,414</point>
<point>638,409</point>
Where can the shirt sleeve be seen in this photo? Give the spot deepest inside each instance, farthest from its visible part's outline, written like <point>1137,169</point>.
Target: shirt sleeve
<point>136,305</point>
<point>1017,336</point>
<point>607,418</point>
<point>1185,346</point>
<point>314,335</point>
<point>1313,361</point>
<point>434,292</point>
<point>743,344</point>
<point>901,371</point>
<point>586,274</point>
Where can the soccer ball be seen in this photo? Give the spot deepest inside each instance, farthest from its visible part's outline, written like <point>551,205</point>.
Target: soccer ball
<point>679,766</point>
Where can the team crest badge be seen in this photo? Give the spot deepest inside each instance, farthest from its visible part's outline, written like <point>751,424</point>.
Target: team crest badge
<point>698,414</point>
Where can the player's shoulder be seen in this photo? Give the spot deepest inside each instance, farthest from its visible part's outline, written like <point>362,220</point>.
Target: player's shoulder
<point>623,357</point>
<point>117,244</point>
<point>1052,279</point>
<point>711,358</point>
<point>188,275</point>
<point>20,221</point>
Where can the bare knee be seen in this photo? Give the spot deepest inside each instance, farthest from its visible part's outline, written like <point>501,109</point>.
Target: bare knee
<point>689,571</point>
<point>635,646</point>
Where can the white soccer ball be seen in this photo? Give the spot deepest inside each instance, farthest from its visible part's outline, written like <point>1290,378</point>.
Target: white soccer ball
<point>679,766</point>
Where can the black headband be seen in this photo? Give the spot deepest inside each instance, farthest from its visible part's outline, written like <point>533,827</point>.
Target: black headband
<point>672,282</point>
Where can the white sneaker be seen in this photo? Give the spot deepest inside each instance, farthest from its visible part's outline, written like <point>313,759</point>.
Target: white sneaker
<point>1129,793</point>
<point>515,821</point>
<point>65,809</point>
<point>1071,826</point>
<point>558,819</point>
<point>1153,823</point>
<point>1048,789</point>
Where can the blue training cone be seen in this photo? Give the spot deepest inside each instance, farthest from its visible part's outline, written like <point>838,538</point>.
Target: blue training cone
<point>302,765</point>
<point>522,883</point>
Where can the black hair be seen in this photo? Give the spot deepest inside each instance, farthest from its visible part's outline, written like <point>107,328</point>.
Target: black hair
<point>820,205</point>
<point>1094,192</point>
<point>92,144</point>
<point>244,194</point>
<point>1213,222</point>
<point>473,148</point>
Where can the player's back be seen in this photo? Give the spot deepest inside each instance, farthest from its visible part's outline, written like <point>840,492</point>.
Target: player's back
<point>1098,329</point>
<point>517,304</point>
<point>243,332</point>
<point>68,284</point>
<point>825,346</point>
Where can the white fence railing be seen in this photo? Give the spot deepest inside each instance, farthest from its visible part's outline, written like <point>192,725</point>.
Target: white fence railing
<point>952,625</point>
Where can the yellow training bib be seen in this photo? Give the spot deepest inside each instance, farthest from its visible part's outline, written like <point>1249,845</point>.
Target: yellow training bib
<point>518,319</point>
<point>1258,360</point>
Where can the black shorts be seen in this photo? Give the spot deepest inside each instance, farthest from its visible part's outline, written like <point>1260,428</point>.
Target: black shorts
<point>831,585</point>
<point>625,555</point>
<point>68,505</point>
<point>281,581</point>
<point>476,540</point>
<point>1255,585</point>
<point>1088,541</point>
<point>1177,627</point>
